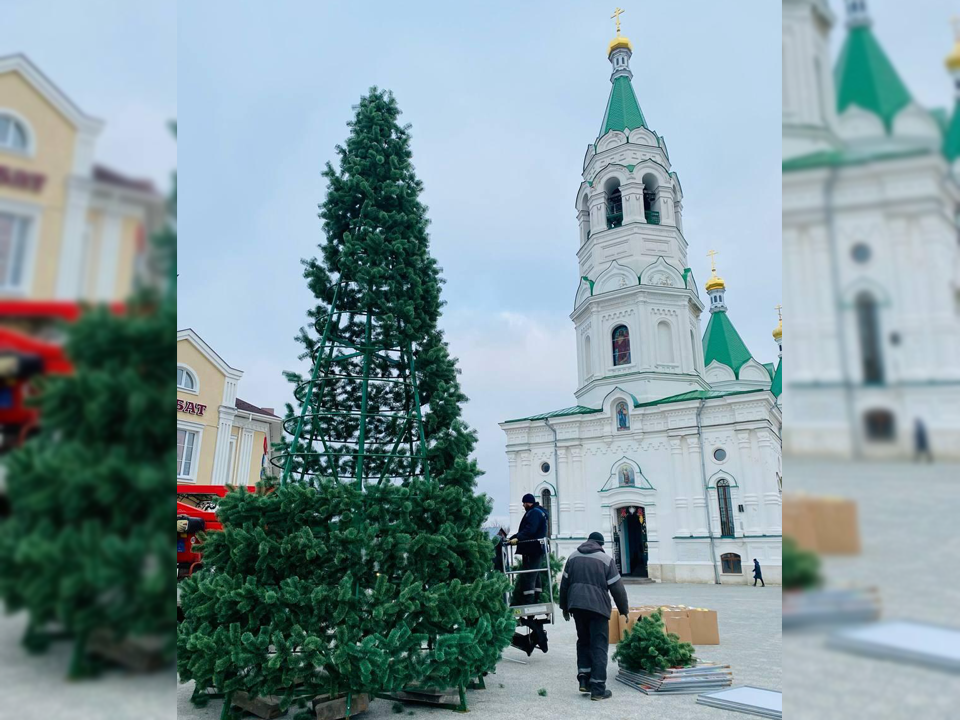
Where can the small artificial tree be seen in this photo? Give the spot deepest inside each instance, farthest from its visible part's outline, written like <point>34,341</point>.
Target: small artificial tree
<point>646,647</point>
<point>87,547</point>
<point>801,568</point>
<point>366,569</point>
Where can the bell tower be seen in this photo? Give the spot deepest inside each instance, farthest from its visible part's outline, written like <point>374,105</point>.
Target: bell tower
<point>636,310</point>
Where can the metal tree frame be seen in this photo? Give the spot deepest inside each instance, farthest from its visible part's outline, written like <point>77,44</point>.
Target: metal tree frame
<point>384,446</point>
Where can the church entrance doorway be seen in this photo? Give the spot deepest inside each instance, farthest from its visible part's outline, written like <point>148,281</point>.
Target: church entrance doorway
<point>633,541</point>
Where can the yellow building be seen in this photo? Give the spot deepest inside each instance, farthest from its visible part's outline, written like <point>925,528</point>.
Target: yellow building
<point>220,438</point>
<point>70,229</point>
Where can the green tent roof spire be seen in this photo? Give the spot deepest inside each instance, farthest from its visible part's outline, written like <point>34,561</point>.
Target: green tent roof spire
<point>865,77</point>
<point>776,387</point>
<point>623,111</point>
<point>722,342</point>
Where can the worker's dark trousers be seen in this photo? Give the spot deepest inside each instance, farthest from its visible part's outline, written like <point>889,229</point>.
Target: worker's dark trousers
<point>593,636</point>
<point>528,584</point>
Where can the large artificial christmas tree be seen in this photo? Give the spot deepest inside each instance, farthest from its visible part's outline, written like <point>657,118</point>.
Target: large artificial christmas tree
<point>87,550</point>
<point>365,569</point>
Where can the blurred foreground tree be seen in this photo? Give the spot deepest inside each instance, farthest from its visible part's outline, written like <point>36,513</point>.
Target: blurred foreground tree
<point>87,549</point>
<point>366,570</point>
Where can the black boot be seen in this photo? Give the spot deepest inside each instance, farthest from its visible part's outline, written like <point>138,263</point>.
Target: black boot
<point>523,642</point>
<point>584,680</point>
<point>598,691</point>
<point>539,634</point>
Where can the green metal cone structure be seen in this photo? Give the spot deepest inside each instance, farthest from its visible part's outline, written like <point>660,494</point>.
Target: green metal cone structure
<point>380,441</point>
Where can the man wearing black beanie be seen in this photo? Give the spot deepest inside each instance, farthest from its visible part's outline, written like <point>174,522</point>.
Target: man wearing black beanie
<point>590,577</point>
<point>533,528</point>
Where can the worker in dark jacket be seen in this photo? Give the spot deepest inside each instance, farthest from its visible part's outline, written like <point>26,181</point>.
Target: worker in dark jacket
<point>590,577</point>
<point>533,528</point>
<point>757,573</point>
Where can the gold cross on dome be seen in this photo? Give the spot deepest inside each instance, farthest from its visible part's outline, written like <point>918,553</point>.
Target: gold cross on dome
<point>778,308</point>
<point>616,16</point>
<point>713,259</point>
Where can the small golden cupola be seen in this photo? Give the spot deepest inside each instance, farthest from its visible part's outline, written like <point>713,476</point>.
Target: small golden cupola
<point>952,60</point>
<point>619,41</point>
<point>715,286</point>
<point>778,331</point>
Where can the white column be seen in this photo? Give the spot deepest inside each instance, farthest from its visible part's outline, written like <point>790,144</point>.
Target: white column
<point>698,500</point>
<point>579,498</point>
<point>221,454</point>
<point>565,501</point>
<point>750,492</point>
<point>71,248</point>
<point>682,500</point>
<point>598,213</point>
<point>246,455</point>
<point>515,514</point>
<point>768,445</point>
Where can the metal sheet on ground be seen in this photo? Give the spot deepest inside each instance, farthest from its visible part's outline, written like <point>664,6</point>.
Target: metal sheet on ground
<point>906,641</point>
<point>746,699</point>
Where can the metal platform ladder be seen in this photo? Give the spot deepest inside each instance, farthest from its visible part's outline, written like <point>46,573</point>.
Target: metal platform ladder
<point>536,609</point>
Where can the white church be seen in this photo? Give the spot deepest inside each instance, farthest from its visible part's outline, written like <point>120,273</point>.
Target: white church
<point>673,449</point>
<point>871,262</point>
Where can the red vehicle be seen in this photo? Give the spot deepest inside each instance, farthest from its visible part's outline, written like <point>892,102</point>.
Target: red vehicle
<point>196,512</point>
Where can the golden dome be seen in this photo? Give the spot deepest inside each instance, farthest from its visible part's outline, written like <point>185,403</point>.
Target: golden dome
<point>953,59</point>
<point>778,332</point>
<point>715,282</point>
<point>620,41</point>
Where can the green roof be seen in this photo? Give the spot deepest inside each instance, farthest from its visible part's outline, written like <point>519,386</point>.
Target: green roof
<point>951,141</point>
<point>575,410</point>
<point>771,369</point>
<point>865,77</point>
<point>698,395</point>
<point>777,386</point>
<point>722,342</point>
<point>853,155</point>
<point>623,110</point>
<point>942,118</point>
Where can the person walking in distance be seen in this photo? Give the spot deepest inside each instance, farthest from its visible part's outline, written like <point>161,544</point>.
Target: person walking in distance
<point>757,574</point>
<point>921,442</point>
<point>590,577</point>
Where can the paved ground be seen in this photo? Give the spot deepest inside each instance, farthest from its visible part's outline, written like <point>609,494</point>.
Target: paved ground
<point>32,687</point>
<point>911,552</point>
<point>750,638</point>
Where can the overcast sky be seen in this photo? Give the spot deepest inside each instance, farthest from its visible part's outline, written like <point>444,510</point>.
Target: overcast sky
<point>503,98</point>
<point>117,61</point>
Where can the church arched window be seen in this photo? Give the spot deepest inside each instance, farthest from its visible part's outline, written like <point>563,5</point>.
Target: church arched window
<point>623,416</point>
<point>585,219</point>
<point>621,345</point>
<point>665,342</point>
<point>650,212</point>
<point>545,504</point>
<point>626,476</point>
<point>693,347</point>
<point>614,203</point>
<point>868,328</point>
<point>587,358</point>
<point>726,508</point>
<point>880,425</point>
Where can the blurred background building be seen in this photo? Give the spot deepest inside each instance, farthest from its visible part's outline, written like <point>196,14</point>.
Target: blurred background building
<point>72,231</point>
<point>221,439</point>
<point>871,259</point>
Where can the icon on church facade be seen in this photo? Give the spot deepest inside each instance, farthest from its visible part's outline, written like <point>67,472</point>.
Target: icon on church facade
<point>626,476</point>
<point>621,345</point>
<point>623,418</point>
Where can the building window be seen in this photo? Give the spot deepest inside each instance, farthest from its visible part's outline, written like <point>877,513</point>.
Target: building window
<point>14,235</point>
<point>726,508</point>
<point>587,360</point>
<point>860,253</point>
<point>880,425</point>
<point>719,454</point>
<point>614,205</point>
<point>545,504</point>
<point>626,476</point>
<point>623,416</point>
<point>13,134</point>
<point>186,453</point>
<point>621,345</point>
<point>186,380</point>
<point>730,564</point>
<point>868,327</point>
<point>544,467</point>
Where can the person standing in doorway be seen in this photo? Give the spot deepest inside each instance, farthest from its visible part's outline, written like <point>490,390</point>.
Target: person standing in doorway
<point>757,574</point>
<point>921,442</point>
<point>590,577</point>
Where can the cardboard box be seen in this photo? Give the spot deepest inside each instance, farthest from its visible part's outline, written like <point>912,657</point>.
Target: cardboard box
<point>835,525</point>
<point>703,626</point>
<point>798,523</point>
<point>614,626</point>
<point>627,623</point>
<point>677,621</point>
